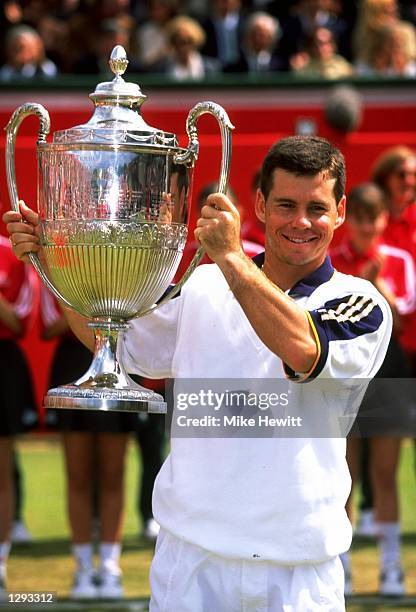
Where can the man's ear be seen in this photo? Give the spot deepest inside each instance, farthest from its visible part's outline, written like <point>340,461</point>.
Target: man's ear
<point>341,210</point>
<point>260,206</point>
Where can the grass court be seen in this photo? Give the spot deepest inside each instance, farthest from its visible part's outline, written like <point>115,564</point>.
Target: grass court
<point>47,565</point>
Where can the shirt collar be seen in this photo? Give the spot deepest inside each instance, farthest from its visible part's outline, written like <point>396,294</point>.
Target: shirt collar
<point>306,286</point>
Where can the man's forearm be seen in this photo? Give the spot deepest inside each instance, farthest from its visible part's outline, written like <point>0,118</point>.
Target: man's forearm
<point>280,323</point>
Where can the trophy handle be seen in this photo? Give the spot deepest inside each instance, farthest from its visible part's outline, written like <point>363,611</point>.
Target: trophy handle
<point>189,157</point>
<point>30,108</point>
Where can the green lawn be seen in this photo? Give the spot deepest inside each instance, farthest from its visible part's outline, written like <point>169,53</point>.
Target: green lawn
<point>47,564</point>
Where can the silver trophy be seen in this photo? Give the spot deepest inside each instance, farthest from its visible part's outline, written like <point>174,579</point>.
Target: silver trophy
<point>113,201</point>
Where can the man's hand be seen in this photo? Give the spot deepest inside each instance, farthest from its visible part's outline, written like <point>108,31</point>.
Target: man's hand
<point>23,228</point>
<point>218,228</point>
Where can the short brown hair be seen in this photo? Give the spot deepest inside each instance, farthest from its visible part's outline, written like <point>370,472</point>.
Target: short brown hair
<point>304,156</point>
<point>366,201</point>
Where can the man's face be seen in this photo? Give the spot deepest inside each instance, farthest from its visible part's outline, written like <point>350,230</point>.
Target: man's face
<point>401,185</point>
<point>364,231</point>
<point>300,214</point>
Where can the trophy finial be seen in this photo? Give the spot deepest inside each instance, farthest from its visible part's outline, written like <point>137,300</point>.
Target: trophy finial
<point>118,60</point>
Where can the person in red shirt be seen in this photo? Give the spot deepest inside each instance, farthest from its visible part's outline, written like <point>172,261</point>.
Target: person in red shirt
<point>363,253</point>
<point>395,173</point>
<point>94,445</point>
<point>17,404</point>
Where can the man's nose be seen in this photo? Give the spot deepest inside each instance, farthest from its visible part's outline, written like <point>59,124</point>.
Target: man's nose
<point>301,221</point>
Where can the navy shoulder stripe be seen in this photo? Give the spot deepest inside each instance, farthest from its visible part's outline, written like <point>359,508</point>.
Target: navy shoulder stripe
<point>348,317</point>
<point>344,318</point>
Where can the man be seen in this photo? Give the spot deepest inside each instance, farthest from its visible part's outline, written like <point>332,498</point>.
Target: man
<point>258,523</point>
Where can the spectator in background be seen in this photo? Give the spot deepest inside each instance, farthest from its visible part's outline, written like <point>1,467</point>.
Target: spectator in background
<point>364,254</point>
<point>152,37</point>
<point>307,16</point>
<point>25,53</point>
<point>261,33</point>
<point>320,59</point>
<point>10,16</point>
<point>17,405</point>
<point>185,62</point>
<point>373,16</point>
<point>394,172</point>
<point>94,447</point>
<point>392,52</point>
<point>111,32</point>
<point>224,27</point>
<point>55,33</point>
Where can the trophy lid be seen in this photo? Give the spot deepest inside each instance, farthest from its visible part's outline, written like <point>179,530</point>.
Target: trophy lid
<point>117,116</point>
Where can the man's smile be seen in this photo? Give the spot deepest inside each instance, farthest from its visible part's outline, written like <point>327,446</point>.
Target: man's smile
<point>298,240</point>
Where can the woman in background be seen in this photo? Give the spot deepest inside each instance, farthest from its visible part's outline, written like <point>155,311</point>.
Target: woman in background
<point>17,405</point>
<point>94,447</point>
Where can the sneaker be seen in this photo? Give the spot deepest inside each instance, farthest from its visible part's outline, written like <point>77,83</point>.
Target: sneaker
<point>85,585</point>
<point>109,584</point>
<point>392,582</point>
<point>366,526</point>
<point>20,534</point>
<point>347,584</point>
<point>151,529</point>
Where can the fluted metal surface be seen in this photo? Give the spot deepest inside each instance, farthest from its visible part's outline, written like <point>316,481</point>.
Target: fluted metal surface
<point>115,270</point>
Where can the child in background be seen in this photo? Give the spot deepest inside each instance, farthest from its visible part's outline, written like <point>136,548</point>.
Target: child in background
<point>17,405</point>
<point>94,445</point>
<point>363,253</point>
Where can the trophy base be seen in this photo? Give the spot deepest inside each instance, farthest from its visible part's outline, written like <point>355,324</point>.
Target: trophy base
<point>105,399</point>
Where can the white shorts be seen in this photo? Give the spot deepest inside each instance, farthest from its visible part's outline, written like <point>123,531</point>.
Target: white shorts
<point>187,578</point>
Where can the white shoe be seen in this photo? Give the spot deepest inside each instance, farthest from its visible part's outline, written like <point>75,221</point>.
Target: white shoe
<point>151,529</point>
<point>109,584</point>
<point>392,582</point>
<point>366,526</point>
<point>20,533</point>
<point>85,585</point>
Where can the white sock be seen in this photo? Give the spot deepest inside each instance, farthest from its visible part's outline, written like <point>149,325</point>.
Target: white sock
<point>83,555</point>
<point>389,542</point>
<point>346,562</point>
<point>110,556</point>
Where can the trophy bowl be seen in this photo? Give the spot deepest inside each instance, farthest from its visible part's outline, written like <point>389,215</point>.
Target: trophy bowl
<point>113,202</point>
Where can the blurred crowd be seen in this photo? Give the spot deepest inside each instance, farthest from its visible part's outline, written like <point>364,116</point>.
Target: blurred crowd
<point>194,39</point>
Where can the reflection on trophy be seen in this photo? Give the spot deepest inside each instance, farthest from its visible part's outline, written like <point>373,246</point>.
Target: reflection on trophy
<point>113,200</point>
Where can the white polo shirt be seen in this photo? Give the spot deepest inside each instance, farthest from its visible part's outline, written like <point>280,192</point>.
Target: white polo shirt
<point>275,498</point>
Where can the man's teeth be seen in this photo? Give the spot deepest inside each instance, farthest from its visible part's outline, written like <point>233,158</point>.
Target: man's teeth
<point>299,240</point>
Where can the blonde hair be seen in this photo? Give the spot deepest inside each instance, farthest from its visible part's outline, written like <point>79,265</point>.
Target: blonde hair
<point>372,16</point>
<point>192,28</point>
